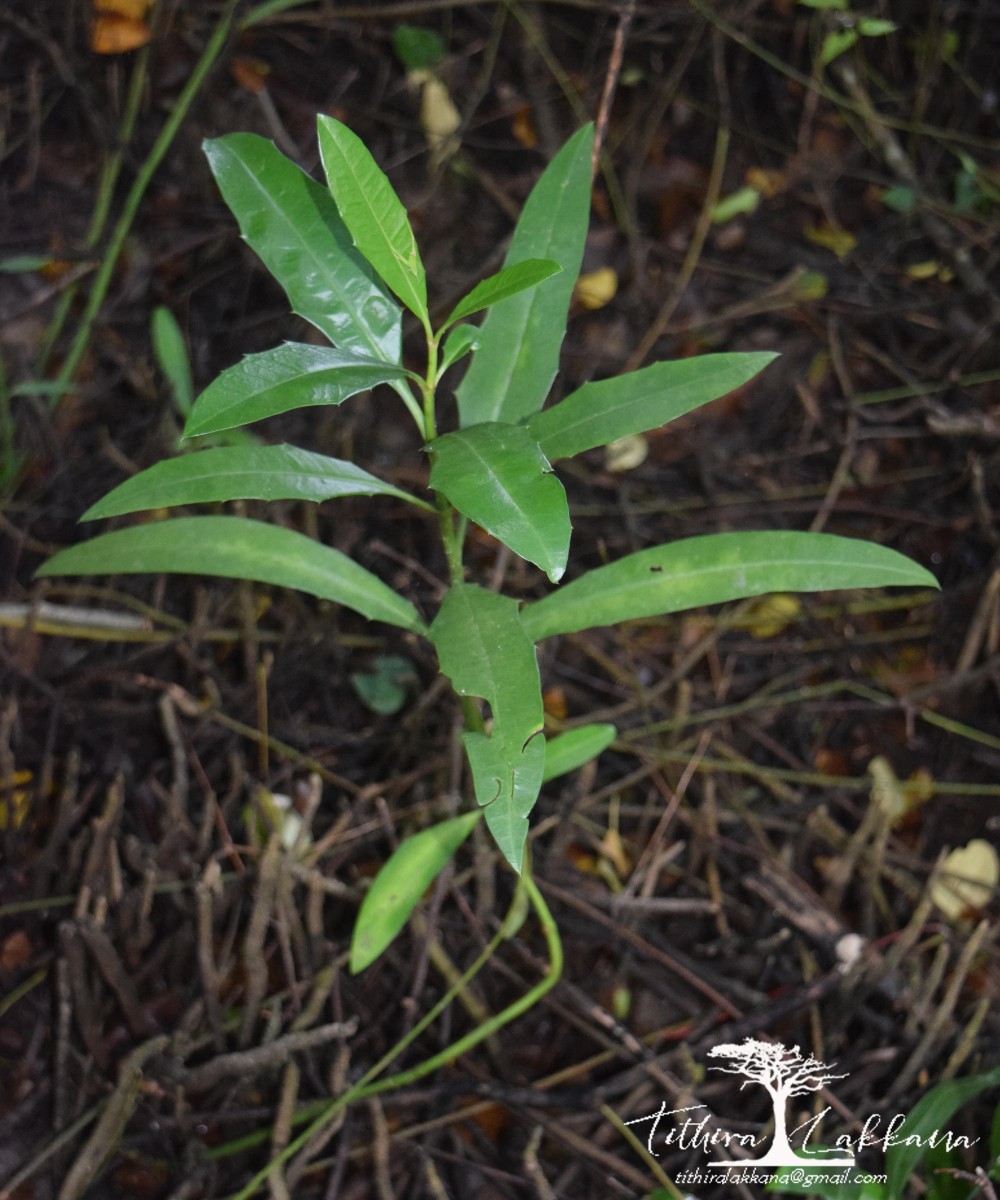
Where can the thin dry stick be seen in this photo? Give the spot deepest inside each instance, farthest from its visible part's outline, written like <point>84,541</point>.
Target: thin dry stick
<point>380,1150</point>
<point>259,1058</point>
<point>532,1167</point>
<point>842,472</point>
<point>936,1028</point>
<point>109,1129</point>
<point>704,223</point>
<point>282,1129</point>
<point>253,941</point>
<point>625,15</point>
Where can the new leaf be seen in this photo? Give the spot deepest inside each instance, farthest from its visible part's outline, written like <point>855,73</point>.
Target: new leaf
<point>521,337</point>
<point>292,223</point>
<point>373,213</point>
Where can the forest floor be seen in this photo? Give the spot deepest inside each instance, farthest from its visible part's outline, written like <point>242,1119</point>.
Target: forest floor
<point>758,854</point>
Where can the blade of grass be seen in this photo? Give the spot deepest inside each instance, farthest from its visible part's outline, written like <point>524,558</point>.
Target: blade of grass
<point>102,280</point>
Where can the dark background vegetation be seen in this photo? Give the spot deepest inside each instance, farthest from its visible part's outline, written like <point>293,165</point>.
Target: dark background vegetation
<point>706,871</point>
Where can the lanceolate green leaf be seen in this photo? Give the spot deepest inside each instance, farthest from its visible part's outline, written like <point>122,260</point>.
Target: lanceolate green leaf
<point>400,884</point>
<point>172,357</point>
<point>242,473</point>
<point>292,223</point>
<point>496,475</point>
<point>567,751</point>
<point>599,413</point>
<point>484,651</point>
<point>290,376</point>
<point>373,213</point>
<point>236,548</point>
<point>715,568</point>
<point>460,341</point>
<point>521,337</point>
<point>505,283</point>
<point>931,1112</point>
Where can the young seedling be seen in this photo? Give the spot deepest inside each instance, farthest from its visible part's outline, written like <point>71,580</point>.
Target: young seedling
<point>347,257</point>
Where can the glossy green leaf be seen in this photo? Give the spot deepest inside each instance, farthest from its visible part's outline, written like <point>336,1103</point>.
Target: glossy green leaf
<point>292,223</point>
<point>398,887</point>
<point>497,476</point>
<point>931,1112</point>
<point>567,751</point>
<point>241,473</point>
<point>236,548</point>
<point>716,568</point>
<point>289,376</point>
<point>599,413</point>
<point>521,337</point>
<point>460,341</point>
<point>172,356</point>
<point>373,213</point>
<point>505,283</point>
<point>484,651</point>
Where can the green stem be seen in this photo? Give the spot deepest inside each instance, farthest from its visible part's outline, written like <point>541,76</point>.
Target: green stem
<point>366,1086</point>
<point>110,170</point>
<point>102,279</point>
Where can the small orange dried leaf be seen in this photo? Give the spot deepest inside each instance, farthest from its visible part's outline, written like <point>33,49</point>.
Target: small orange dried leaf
<point>767,182</point>
<point>130,10</point>
<point>524,128</point>
<point>250,73</point>
<point>554,700</point>
<point>111,34</point>
<point>15,951</point>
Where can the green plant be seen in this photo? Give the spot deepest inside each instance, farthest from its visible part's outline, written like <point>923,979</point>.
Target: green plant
<point>849,28</point>
<point>346,256</point>
<point>342,255</point>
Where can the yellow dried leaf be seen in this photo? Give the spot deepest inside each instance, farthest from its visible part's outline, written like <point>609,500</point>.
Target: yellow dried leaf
<point>768,183</point>
<point>896,798</point>
<point>626,453</point>
<point>614,850</point>
<point>439,118</point>
<point>831,237</point>
<point>15,804</point>
<point>597,288</point>
<point>968,879</point>
<point>770,615</point>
